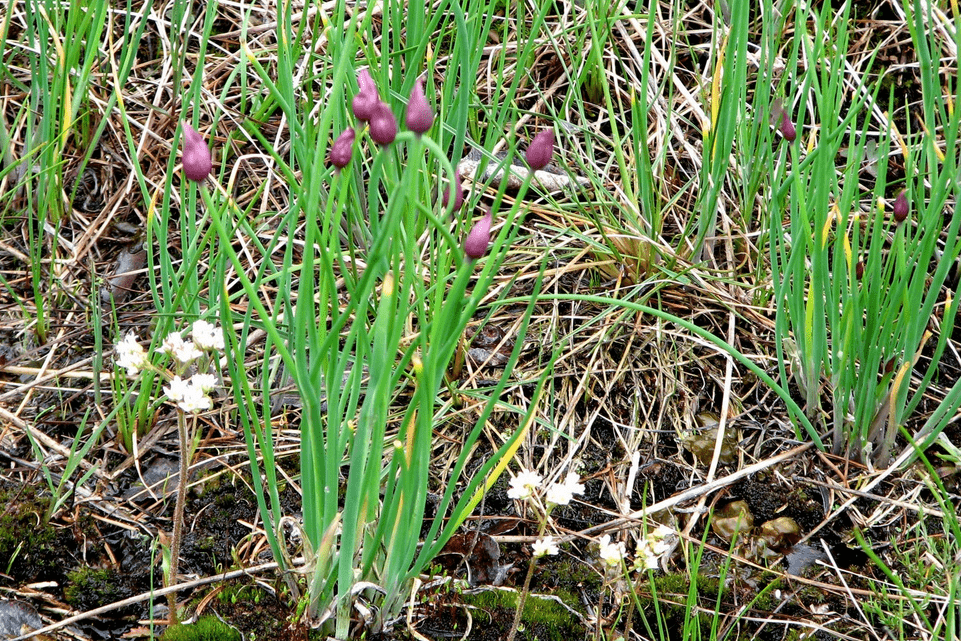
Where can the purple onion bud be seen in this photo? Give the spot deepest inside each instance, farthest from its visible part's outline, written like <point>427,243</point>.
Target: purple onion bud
<point>901,207</point>
<point>888,366</point>
<point>540,150</point>
<point>458,194</point>
<point>479,237</point>
<point>366,99</point>
<point>859,270</point>
<point>342,149</point>
<point>383,125</point>
<point>779,118</point>
<point>196,160</point>
<point>419,116</point>
<point>787,128</point>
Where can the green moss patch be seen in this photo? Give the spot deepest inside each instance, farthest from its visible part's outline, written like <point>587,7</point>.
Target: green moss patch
<point>208,628</point>
<point>89,588</point>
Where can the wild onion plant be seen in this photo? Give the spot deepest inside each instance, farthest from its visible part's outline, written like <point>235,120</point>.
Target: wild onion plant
<point>388,332</point>
<point>728,92</point>
<point>368,322</point>
<point>368,303</point>
<point>61,71</point>
<point>860,276</point>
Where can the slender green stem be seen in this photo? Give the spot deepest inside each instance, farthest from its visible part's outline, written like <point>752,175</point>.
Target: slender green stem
<point>183,433</point>
<point>522,597</point>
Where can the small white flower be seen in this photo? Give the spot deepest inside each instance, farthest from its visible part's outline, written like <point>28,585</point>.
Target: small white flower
<point>130,355</point>
<point>651,548</point>
<point>558,494</point>
<point>195,401</point>
<point>544,546</point>
<point>562,493</point>
<point>573,483</point>
<point>658,548</point>
<point>660,540</point>
<point>183,351</point>
<point>645,560</point>
<point>177,389</point>
<point>524,484</point>
<point>204,382</point>
<point>207,336</point>
<point>611,553</point>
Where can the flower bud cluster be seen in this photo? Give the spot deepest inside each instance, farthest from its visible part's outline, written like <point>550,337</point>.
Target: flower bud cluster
<point>368,107</point>
<point>780,119</point>
<point>479,237</point>
<point>787,128</point>
<point>342,149</point>
<point>382,125</point>
<point>420,118</point>
<point>540,150</point>
<point>458,194</point>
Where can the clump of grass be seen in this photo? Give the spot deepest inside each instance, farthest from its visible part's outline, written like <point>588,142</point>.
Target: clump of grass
<point>856,281</point>
<point>920,590</point>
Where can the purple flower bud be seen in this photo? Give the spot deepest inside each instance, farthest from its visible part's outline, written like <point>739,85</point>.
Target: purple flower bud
<point>901,207</point>
<point>779,118</point>
<point>196,160</point>
<point>419,116</point>
<point>383,125</point>
<point>540,150</point>
<point>479,237</point>
<point>888,366</point>
<point>787,128</point>
<point>366,99</point>
<point>458,194</point>
<point>342,149</point>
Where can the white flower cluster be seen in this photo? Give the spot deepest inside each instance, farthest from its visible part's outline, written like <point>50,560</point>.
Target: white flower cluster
<point>545,546</point>
<point>207,336</point>
<point>184,352</point>
<point>649,550</point>
<point>652,547</point>
<point>130,355</point>
<point>191,394</point>
<point>611,554</point>
<point>562,493</point>
<point>524,486</point>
